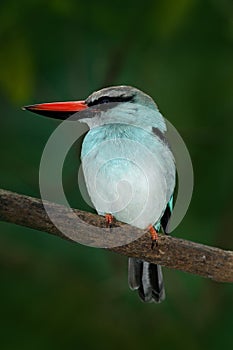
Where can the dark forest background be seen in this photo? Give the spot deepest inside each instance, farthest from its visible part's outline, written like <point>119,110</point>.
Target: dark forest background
<point>55,294</point>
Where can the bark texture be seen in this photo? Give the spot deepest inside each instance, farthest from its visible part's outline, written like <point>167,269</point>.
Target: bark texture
<point>171,252</point>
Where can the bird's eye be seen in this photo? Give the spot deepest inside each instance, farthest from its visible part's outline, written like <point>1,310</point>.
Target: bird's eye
<point>105,100</point>
<point>108,99</point>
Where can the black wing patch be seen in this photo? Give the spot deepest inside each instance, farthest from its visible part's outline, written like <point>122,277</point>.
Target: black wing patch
<point>165,219</point>
<point>161,136</point>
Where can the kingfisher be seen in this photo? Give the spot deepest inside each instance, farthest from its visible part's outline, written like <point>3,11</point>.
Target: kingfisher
<point>129,168</point>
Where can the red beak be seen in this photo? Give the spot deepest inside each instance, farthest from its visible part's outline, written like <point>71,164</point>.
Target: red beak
<point>57,110</point>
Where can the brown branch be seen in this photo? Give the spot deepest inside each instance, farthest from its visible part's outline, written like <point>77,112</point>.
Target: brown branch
<point>171,252</point>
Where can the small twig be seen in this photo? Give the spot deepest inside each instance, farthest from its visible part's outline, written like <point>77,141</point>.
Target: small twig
<point>171,252</point>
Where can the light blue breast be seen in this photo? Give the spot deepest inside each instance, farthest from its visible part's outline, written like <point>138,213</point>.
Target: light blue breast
<point>129,172</point>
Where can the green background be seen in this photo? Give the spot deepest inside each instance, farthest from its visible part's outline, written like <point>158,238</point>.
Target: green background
<point>55,294</point>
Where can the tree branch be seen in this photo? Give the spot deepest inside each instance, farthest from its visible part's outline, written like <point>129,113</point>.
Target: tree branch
<point>171,252</point>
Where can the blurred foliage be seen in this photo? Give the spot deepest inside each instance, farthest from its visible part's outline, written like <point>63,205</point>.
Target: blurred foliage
<point>55,294</point>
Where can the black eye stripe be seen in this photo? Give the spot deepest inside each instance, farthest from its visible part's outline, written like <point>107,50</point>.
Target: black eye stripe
<point>108,99</point>
<point>105,100</point>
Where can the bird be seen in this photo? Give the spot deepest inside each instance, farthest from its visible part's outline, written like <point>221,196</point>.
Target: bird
<point>136,183</point>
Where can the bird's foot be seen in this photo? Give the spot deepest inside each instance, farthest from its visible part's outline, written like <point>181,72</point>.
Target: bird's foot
<point>154,236</point>
<point>109,220</point>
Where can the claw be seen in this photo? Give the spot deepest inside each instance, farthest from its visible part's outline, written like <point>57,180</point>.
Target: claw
<point>154,236</point>
<point>109,220</point>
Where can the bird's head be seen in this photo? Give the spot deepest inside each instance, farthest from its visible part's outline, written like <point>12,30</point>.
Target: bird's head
<point>116,104</point>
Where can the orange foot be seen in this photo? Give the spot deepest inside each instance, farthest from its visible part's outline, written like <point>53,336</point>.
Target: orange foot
<point>109,220</point>
<point>154,236</point>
